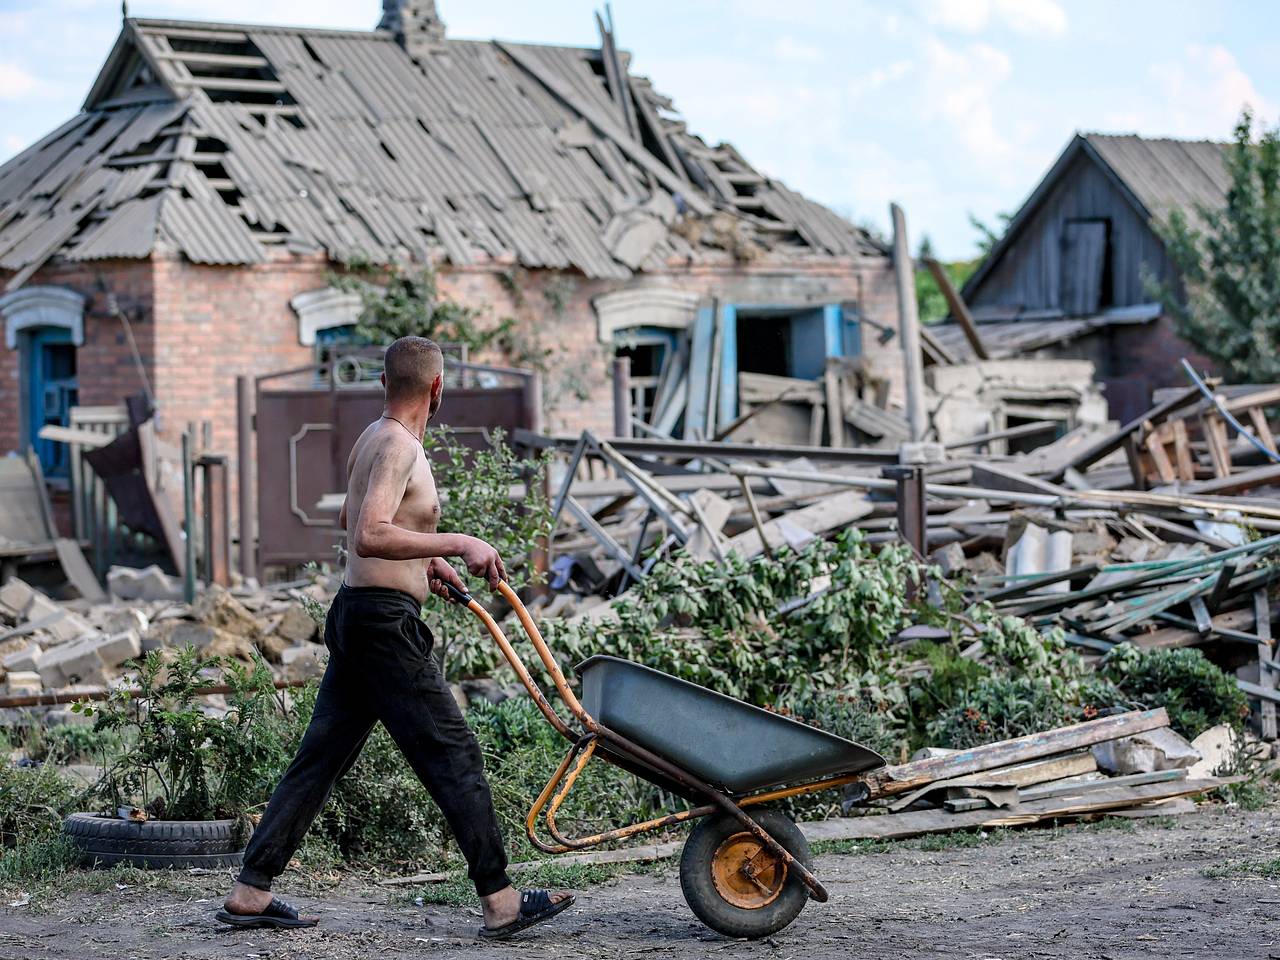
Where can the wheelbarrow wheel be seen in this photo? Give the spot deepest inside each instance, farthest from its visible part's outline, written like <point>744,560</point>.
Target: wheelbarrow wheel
<point>734,885</point>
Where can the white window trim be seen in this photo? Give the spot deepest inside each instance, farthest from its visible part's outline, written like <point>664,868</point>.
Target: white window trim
<point>42,306</point>
<point>324,309</point>
<point>644,307</point>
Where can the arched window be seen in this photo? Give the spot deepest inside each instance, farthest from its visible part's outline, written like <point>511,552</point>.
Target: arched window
<point>45,325</point>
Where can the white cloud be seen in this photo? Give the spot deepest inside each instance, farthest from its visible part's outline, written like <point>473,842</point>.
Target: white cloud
<point>1032,18</point>
<point>878,77</point>
<point>1201,95</point>
<point>958,85</point>
<point>15,81</point>
<point>790,50</point>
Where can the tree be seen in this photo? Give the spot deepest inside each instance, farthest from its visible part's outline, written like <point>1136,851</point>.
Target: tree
<point>931,303</point>
<point>1230,267</point>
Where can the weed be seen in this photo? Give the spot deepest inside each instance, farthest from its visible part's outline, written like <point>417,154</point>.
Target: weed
<point>1264,869</point>
<point>960,840</point>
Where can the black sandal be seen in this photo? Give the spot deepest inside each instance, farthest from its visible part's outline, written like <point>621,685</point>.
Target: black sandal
<point>278,915</point>
<point>535,907</point>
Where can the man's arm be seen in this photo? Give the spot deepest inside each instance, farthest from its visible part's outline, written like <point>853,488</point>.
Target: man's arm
<point>377,535</point>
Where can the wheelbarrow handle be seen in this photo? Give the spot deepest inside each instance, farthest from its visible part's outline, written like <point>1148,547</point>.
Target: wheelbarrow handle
<point>457,596</point>
<point>521,671</point>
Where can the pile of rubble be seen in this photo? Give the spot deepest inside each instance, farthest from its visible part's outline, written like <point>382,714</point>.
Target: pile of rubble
<point>54,652</point>
<point>1163,531</point>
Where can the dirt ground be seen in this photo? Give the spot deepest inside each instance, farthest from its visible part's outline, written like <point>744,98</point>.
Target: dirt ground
<point>1184,887</point>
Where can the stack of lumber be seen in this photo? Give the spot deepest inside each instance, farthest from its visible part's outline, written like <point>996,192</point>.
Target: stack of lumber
<point>1068,773</point>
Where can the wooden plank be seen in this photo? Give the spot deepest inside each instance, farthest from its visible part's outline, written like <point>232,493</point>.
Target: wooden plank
<point>1018,775</point>
<point>1113,442</point>
<point>956,304</point>
<point>85,438</point>
<point>1266,678</point>
<point>1080,788</point>
<point>901,778</point>
<point>1182,451</point>
<point>1215,435</point>
<point>829,514</point>
<point>1158,454</point>
<point>644,854</point>
<point>1226,484</point>
<point>917,823</point>
<point>78,572</point>
<point>835,408</point>
<point>1262,429</point>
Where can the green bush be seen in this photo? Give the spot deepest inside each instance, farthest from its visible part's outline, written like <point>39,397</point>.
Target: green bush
<point>1196,693</point>
<point>33,802</point>
<point>179,762</point>
<point>999,707</point>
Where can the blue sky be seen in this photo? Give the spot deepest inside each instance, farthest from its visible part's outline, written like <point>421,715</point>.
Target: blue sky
<point>946,106</point>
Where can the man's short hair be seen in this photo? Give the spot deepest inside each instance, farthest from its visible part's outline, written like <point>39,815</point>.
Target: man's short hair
<point>410,366</point>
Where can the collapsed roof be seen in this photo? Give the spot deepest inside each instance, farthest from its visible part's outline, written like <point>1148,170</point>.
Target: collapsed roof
<point>220,141</point>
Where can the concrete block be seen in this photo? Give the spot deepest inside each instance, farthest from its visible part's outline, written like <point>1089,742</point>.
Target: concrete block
<point>23,683</point>
<point>26,660</point>
<point>15,597</point>
<point>296,625</point>
<point>116,648</point>
<point>126,618</point>
<point>149,583</point>
<point>304,661</point>
<point>1159,749</point>
<point>67,626</point>
<point>72,663</point>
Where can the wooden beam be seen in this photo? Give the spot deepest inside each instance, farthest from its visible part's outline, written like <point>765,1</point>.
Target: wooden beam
<point>215,59</point>
<point>958,308</point>
<point>633,149</point>
<point>908,776</point>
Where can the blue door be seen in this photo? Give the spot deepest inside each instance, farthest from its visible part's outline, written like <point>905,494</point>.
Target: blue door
<point>49,359</point>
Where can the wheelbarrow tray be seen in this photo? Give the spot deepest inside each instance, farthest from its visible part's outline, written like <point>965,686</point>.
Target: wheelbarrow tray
<point>723,741</point>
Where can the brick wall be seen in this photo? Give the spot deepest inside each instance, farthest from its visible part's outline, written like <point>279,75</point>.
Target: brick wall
<point>105,366</point>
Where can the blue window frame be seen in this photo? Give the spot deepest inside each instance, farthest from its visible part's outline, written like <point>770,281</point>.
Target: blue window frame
<point>49,368</point>
<point>786,341</point>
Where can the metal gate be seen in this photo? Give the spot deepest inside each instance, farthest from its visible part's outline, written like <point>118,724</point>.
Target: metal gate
<point>304,422</point>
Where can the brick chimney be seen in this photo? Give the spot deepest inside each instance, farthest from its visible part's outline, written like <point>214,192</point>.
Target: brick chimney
<point>415,23</point>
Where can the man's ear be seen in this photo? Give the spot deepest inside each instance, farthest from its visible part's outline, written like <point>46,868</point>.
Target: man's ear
<point>437,385</point>
<point>382,379</point>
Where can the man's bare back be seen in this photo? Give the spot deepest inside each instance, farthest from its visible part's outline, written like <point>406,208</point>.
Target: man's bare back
<point>376,454</point>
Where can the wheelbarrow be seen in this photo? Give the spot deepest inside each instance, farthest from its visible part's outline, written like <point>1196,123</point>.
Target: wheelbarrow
<point>744,874</point>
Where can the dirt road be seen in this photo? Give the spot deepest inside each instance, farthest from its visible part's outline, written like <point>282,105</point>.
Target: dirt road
<point>1196,886</point>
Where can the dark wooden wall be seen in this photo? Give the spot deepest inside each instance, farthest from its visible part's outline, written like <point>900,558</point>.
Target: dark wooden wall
<point>1029,274</point>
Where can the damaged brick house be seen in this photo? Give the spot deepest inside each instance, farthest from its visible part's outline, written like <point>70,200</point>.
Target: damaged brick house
<point>218,173</point>
<point>1078,271</point>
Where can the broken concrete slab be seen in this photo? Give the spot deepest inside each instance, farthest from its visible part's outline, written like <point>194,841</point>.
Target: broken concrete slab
<point>296,625</point>
<point>23,683</point>
<point>1215,746</point>
<point>26,660</point>
<point>149,583</point>
<point>1159,749</point>
<point>72,663</point>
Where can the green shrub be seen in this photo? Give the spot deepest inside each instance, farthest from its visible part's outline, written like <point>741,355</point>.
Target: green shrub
<point>176,760</point>
<point>999,707</point>
<point>1196,693</point>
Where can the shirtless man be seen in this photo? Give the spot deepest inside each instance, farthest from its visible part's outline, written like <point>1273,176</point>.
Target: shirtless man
<point>381,669</point>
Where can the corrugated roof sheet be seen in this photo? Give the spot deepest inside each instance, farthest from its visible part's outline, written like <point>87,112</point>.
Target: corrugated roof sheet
<point>1167,174</point>
<point>340,141</point>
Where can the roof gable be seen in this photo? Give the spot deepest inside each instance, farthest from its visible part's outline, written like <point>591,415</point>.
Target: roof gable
<point>1155,176</point>
<point>339,141</point>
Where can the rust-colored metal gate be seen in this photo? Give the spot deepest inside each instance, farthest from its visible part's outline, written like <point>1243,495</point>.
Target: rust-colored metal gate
<point>302,433</point>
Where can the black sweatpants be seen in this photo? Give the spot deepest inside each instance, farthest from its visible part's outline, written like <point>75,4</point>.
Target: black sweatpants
<point>381,668</point>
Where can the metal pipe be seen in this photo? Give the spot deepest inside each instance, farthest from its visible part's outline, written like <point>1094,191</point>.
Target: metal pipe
<point>622,397</point>
<point>244,471</point>
<point>909,325</point>
<point>188,522</point>
<point>1226,414</point>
